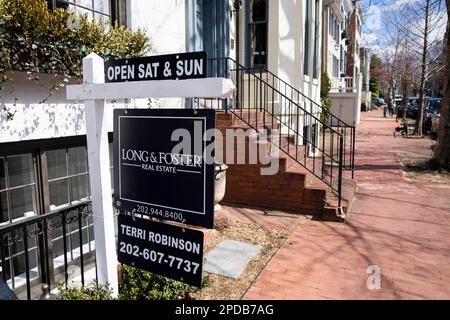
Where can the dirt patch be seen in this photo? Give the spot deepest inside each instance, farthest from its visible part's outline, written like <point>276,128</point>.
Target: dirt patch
<point>420,168</point>
<point>224,288</point>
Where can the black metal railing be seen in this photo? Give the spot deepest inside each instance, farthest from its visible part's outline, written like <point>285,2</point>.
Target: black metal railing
<point>317,145</point>
<point>346,130</point>
<point>46,248</point>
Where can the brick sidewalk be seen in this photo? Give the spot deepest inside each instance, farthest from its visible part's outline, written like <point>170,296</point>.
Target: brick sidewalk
<point>402,227</point>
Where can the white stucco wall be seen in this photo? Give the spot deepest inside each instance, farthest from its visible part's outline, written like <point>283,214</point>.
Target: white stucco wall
<point>32,120</point>
<point>163,21</point>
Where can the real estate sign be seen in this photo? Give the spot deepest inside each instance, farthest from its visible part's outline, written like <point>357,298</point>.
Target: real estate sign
<point>161,248</point>
<point>161,164</point>
<point>178,66</point>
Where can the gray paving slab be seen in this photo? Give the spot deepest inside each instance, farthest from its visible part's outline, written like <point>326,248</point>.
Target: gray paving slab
<point>230,258</point>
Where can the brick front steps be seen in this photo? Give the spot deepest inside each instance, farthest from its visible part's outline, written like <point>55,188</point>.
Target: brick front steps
<point>291,189</point>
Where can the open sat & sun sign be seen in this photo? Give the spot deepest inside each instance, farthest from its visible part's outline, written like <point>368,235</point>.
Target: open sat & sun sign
<point>179,66</point>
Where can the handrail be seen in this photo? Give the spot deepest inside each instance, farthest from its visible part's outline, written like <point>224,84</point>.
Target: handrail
<point>334,119</point>
<point>24,222</point>
<point>242,68</point>
<point>289,115</point>
<point>302,94</point>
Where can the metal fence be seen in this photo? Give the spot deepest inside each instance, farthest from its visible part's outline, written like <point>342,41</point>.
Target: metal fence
<point>44,249</point>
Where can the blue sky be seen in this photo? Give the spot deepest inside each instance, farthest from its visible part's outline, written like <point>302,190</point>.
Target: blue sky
<point>376,17</point>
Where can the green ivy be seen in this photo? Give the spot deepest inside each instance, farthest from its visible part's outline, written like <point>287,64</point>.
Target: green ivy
<point>38,40</point>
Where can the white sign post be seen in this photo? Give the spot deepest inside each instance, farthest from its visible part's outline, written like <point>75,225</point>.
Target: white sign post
<point>94,91</point>
<point>99,176</point>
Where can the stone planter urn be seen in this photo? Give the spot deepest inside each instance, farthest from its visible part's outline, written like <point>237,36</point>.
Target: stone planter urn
<point>220,182</point>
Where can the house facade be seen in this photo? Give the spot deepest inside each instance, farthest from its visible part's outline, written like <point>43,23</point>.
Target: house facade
<point>275,45</point>
<point>341,57</point>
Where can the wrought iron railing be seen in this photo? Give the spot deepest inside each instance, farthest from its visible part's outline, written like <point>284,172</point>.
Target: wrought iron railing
<point>262,103</point>
<point>342,85</point>
<point>346,130</point>
<point>36,251</point>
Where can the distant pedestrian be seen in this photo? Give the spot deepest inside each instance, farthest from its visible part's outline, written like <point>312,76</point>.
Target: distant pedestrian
<point>385,111</point>
<point>390,107</point>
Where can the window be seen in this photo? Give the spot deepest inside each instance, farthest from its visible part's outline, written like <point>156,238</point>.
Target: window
<point>316,40</point>
<point>18,199</point>
<point>331,25</point>
<point>306,34</point>
<point>119,12</point>
<point>68,177</point>
<point>337,34</point>
<point>257,33</point>
<point>335,67</point>
<point>17,187</point>
<point>60,164</point>
<point>101,10</point>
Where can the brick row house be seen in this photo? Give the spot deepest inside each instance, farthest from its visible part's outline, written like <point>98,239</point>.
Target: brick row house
<point>274,51</point>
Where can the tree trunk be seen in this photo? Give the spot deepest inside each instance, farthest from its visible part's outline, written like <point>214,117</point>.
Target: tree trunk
<point>419,120</point>
<point>442,149</point>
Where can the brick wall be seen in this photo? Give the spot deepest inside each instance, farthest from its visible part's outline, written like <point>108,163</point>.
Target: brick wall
<point>286,190</point>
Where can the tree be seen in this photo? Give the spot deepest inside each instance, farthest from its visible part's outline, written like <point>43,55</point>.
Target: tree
<point>422,22</point>
<point>442,149</point>
<point>376,73</point>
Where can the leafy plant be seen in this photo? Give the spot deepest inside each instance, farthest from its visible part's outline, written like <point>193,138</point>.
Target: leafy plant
<point>138,284</point>
<point>37,40</point>
<point>91,291</point>
<point>325,87</point>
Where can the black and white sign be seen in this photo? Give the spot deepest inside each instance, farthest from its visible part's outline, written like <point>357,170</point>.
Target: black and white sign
<point>161,248</point>
<point>152,176</point>
<point>178,66</point>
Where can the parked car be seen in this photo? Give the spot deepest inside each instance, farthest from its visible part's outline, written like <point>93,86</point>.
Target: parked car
<point>398,102</point>
<point>412,102</point>
<point>377,102</point>
<point>412,108</point>
<point>432,110</point>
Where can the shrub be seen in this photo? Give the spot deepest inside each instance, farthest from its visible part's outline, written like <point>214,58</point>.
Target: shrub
<point>37,40</point>
<point>325,100</point>
<point>91,291</point>
<point>138,284</point>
